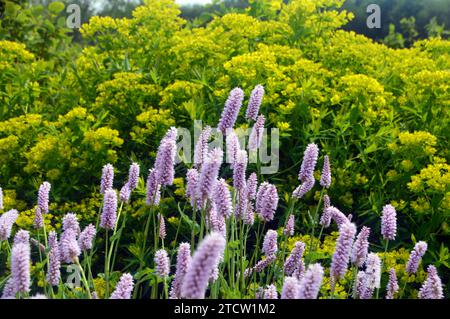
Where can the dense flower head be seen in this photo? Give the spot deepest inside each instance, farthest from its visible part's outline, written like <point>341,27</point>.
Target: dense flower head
<point>109,214</point>
<point>263,263</point>
<point>342,250</point>
<point>270,292</point>
<point>69,247</point>
<point>201,147</point>
<point>360,248</point>
<point>325,219</point>
<point>202,264</point>
<point>256,135</point>
<point>162,263</point>
<point>133,175</point>
<point>162,226</point>
<point>303,188</point>
<point>208,175</point>
<point>270,246</point>
<point>20,267</point>
<point>311,282</point>
<point>38,221</point>
<point>232,144</point>
<point>107,178</point>
<point>192,176</point>
<point>43,197</point>
<point>239,168</point>
<point>392,285</point>
<point>70,221</point>
<point>325,179</point>
<point>9,290</point>
<point>217,221</point>
<point>252,185</point>
<point>248,216</point>
<point>295,258</point>
<point>290,225</point>
<point>415,257</point>
<point>165,158</point>
<point>337,216</point>
<point>222,198</point>
<point>432,287</point>
<point>22,237</point>
<point>254,102</point>
<point>86,238</point>
<point>360,286</point>
<point>54,268</point>
<point>309,162</point>
<point>124,287</point>
<point>52,239</point>
<point>389,222</point>
<point>125,193</point>
<point>242,204</point>
<point>290,288</point>
<point>7,221</point>
<point>153,188</point>
<point>183,261</point>
<point>373,271</point>
<point>231,109</point>
<point>266,201</point>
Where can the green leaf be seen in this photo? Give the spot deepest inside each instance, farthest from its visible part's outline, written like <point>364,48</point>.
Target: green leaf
<point>56,7</point>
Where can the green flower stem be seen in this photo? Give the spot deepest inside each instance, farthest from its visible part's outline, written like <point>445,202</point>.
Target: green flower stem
<point>83,277</point>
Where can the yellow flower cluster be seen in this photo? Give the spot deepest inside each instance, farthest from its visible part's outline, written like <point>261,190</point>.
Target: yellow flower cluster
<point>433,178</point>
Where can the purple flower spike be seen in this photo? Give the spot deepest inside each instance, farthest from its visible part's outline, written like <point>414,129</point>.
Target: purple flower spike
<point>256,135</point>
<point>7,220</point>
<point>304,188</point>
<point>43,197</point>
<point>270,292</point>
<point>361,247</point>
<point>52,240</point>
<point>231,110</point>
<point>266,201</point>
<point>360,286</point>
<point>373,271</point>
<point>183,261</point>
<point>325,179</point>
<point>70,221</point>
<point>22,237</point>
<point>133,176</point>
<point>70,250</point>
<point>54,269</point>
<point>337,216</point>
<point>125,193</point>
<point>202,265</point>
<point>124,288</point>
<point>232,143</point>
<point>242,204</point>
<point>270,246</point>
<point>86,237</point>
<point>9,290</point>
<point>415,257</point>
<point>325,219</point>
<point>311,282</point>
<point>107,178</point>
<point>432,287</point>
<point>389,222</point>
<point>201,148</point>
<point>191,185</point>
<point>38,218</point>
<point>254,102</point>
<point>290,225</point>
<point>162,226</point>
<point>153,189</point>
<point>295,258</point>
<point>20,267</point>
<point>342,251</point>
<point>239,168</point>
<point>290,288</point>
<point>208,174</point>
<point>252,185</point>
<point>222,198</point>
<point>162,263</point>
<point>109,214</point>
<point>165,158</point>
<point>309,162</point>
<point>217,221</point>
<point>392,285</point>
